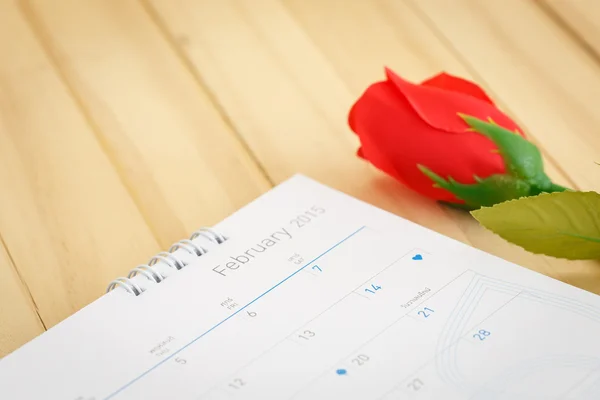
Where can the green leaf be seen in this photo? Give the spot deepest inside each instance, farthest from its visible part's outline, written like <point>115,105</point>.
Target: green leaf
<point>562,224</point>
<point>486,192</point>
<point>522,158</point>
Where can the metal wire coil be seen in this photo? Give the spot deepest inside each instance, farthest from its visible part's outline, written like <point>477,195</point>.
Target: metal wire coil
<point>167,258</point>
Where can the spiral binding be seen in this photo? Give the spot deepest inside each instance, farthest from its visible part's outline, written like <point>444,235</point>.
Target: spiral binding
<point>168,258</point>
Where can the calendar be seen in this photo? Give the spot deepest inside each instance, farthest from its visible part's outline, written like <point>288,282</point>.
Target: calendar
<point>307,293</point>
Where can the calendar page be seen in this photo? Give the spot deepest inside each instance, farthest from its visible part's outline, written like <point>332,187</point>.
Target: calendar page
<point>320,296</point>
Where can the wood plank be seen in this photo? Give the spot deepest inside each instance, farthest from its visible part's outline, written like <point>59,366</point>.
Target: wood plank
<point>552,89</point>
<point>384,33</point>
<point>297,69</point>
<point>20,321</point>
<point>65,216</point>
<point>359,38</point>
<point>291,114</point>
<point>181,162</point>
<point>581,17</point>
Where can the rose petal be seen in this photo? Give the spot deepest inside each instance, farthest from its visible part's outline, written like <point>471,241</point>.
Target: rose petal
<point>395,139</point>
<point>455,84</point>
<point>439,108</point>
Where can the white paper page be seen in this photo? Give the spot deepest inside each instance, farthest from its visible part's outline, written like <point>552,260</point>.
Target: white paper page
<point>319,296</point>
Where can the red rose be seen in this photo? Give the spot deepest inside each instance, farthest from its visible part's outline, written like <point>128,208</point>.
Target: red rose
<point>402,125</point>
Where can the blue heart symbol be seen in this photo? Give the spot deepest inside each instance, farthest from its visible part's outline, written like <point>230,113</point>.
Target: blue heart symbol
<point>417,257</point>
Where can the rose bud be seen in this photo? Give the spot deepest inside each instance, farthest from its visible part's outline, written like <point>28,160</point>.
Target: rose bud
<point>445,139</point>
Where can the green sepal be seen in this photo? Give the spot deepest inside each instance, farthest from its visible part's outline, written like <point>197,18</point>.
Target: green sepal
<point>457,206</point>
<point>523,160</point>
<point>485,192</point>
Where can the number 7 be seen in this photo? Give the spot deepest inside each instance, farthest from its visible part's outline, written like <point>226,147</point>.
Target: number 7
<point>317,268</point>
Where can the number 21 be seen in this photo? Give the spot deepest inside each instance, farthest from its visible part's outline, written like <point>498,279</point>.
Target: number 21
<point>426,312</point>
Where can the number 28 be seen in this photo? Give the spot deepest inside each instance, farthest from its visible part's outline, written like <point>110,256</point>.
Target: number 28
<point>482,334</point>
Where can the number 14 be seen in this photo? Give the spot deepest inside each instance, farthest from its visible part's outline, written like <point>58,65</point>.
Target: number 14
<point>373,289</point>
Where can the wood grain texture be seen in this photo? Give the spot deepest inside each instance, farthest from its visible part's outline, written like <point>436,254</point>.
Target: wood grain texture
<point>181,163</point>
<point>284,97</point>
<point>127,124</point>
<point>65,216</point>
<point>580,17</point>
<point>390,33</point>
<point>312,61</point>
<point>551,89</point>
<point>396,38</point>
<point>20,321</point>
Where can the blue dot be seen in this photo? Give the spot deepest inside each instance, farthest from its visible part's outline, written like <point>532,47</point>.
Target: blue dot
<point>341,371</point>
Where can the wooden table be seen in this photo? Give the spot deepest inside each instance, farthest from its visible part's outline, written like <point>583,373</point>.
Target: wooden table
<point>125,125</point>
